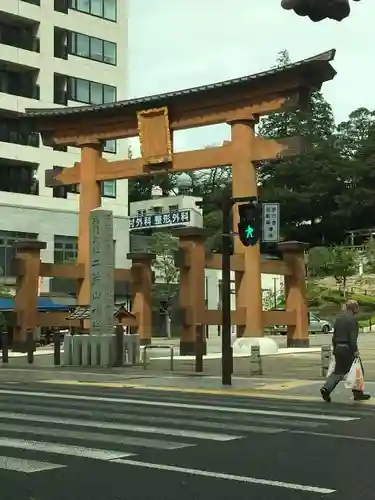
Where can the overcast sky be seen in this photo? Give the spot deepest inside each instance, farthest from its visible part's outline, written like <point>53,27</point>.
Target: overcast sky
<point>174,45</point>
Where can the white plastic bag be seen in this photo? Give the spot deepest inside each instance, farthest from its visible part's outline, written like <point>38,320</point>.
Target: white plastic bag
<point>331,366</point>
<point>354,379</point>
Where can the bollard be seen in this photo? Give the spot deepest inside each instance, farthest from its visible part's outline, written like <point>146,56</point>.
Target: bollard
<point>137,349</point>
<point>56,349</point>
<point>144,357</point>
<point>199,349</point>
<point>172,359</point>
<point>86,350</point>
<point>119,358</point>
<point>5,347</point>
<point>255,361</point>
<point>326,354</point>
<point>30,346</point>
<point>67,349</point>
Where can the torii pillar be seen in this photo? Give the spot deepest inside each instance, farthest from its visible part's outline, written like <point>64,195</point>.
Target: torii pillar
<point>89,199</point>
<point>191,259</point>
<point>142,281</point>
<point>295,292</point>
<point>244,184</point>
<point>26,298</point>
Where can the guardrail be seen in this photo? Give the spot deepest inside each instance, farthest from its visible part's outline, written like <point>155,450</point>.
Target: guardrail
<point>170,347</point>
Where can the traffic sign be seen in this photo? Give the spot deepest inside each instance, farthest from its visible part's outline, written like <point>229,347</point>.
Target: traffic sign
<point>271,222</point>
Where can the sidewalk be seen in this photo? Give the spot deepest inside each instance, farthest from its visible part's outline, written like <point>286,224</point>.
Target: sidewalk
<point>260,388</point>
<point>291,385</point>
<point>291,374</point>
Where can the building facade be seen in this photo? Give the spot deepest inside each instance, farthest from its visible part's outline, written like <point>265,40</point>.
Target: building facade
<point>162,213</point>
<point>56,53</point>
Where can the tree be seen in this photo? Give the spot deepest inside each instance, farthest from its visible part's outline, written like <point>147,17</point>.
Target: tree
<point>317,262</point>
<point>342,263</point>
<point>357,201</point>
<point>307,185</point>
<point>164,245</point>
<point>351,134</point>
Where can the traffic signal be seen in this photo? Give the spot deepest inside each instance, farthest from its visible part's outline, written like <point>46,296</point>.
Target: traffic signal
<point>317,10</point>
<point>249,226</point>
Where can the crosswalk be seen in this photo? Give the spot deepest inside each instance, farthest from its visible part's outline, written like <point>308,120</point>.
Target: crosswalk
<point>42,431</point>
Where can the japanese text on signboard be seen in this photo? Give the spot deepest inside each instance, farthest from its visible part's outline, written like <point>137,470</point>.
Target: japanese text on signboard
<point>157,220</point>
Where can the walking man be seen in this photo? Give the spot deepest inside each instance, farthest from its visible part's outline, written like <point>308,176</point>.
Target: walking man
<point>345,350</point>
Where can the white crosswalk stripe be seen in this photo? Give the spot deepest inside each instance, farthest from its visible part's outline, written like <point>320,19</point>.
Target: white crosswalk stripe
<point>44,431</point>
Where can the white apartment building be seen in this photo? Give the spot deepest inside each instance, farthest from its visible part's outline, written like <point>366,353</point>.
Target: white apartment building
<point>56,53</point>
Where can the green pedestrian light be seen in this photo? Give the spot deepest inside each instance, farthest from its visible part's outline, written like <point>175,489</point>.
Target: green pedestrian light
<point>249,226</point>
<point>249,232</point>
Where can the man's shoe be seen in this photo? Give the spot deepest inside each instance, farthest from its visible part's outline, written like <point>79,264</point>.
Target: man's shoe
<point>360,396</point>
<point>325,395</point>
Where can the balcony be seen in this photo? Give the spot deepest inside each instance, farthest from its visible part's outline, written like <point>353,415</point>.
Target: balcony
<point>22,89</point>
<point>19,39</point>
<point>18,177</point>
<point>60,97</point>
<point>12,135</point>
<point>61,6</point>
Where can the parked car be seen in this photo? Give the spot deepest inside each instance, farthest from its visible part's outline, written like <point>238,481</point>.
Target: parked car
<point>316,325</point>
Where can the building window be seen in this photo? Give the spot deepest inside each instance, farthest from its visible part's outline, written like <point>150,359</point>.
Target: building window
<point>109,52</point>
<point>141,213</point>
<point>108,189</point>
<point>88,92</point>
<point>82,45</point>
<point>82,93</point>
<point>92,48</point>
<point>173,208</point>
<point>105,9</point>
<point>109,94</point>
<point>157,210</point>
<point>8,252</point>
<point>65,249</point>
<point>110,146</point>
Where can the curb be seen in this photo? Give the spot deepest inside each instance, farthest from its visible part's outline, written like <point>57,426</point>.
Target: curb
<point>247,393</point>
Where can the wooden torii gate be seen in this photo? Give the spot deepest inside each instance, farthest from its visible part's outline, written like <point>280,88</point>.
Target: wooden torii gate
<point>239,103</point>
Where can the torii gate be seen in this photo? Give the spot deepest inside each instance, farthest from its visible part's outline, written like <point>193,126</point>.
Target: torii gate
<point>239,102</point>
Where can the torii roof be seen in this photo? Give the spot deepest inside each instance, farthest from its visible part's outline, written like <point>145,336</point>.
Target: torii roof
<point>317,69</point>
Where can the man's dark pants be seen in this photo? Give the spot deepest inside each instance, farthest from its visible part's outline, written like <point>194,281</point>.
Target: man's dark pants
<point>344,357</point>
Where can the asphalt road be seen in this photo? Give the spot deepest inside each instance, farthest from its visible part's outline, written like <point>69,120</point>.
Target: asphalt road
<point>61,442</point>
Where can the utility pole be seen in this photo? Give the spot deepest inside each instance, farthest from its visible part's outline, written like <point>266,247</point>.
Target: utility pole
<point>226,343</point>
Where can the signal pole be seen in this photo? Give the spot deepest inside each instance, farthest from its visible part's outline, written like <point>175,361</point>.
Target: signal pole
<point>226,342</point>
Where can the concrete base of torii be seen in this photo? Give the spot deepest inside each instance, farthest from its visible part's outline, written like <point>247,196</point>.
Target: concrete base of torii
<point>266,345</point>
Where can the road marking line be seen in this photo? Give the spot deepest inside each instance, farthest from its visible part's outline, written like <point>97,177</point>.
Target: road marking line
<point>337,436</point>
<point>285,386</point>
<point>62,449</point>
<point>88,383</point>
<point>140,402</point>
<point>154,420</point>
<point>248,393</point>
<point>98,437</point>
<point>120,427</point>
<point>26,466</point>
<point>230,477</point>
<point>250,420</point>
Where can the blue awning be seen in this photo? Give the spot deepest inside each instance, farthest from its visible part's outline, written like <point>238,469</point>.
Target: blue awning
<point>44,305</point>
